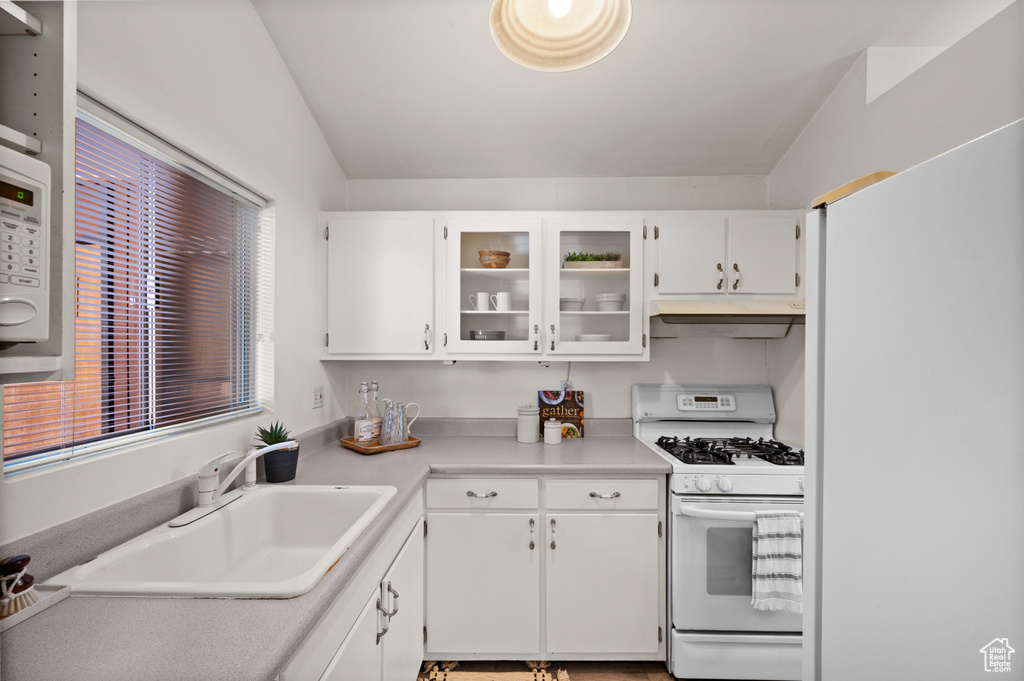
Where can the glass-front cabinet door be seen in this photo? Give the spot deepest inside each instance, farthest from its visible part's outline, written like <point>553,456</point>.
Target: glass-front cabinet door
<point>494,285</point>
<point>594,291</point>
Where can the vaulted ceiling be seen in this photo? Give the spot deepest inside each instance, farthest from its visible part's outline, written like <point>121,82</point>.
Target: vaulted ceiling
<point>418,89</point>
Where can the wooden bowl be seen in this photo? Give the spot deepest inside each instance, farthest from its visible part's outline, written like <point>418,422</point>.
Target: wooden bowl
<point>494,259</point>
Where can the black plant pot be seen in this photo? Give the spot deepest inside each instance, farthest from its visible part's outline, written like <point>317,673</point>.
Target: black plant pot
<point>280,465</point>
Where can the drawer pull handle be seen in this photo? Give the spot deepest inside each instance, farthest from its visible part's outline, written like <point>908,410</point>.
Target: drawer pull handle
<point>552,534</point>
<point>613,495</point>
<point>533,525</point>
<point>481,496</point>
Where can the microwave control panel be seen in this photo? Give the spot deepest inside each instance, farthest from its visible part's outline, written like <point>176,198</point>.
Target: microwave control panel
<point>24,248</point>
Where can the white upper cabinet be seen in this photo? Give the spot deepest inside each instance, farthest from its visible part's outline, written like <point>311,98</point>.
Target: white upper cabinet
<point>594,307</point>
<point>691,255</point>
<point>380,286</point>
<point>493,310</point>
<point>762,255</point>
<point>724,253</point>
<point>422,285</point>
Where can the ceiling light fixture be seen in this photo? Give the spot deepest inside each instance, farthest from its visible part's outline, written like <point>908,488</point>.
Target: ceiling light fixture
<point>559,35</point>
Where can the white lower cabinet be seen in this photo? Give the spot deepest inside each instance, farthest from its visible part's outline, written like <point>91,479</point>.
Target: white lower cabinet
<point>359,658</point>
<point>602,583</point>
<point>482,579</point>
<point>386,642</point>
<point>402,596</point>
<point>580,575</point>
<point>374,630</point>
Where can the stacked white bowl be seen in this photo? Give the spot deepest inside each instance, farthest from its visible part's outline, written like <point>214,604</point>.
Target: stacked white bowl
<point>571,304</point>
<point>610,302</point>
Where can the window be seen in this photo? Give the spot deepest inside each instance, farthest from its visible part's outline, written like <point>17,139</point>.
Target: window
<point>165,305</point>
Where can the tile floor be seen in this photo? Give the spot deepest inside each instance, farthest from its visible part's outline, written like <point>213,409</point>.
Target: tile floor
<point>585,671</point>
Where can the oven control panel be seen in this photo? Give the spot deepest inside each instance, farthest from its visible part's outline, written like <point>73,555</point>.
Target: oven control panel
<point>705,402</point>
<point>776,485</point>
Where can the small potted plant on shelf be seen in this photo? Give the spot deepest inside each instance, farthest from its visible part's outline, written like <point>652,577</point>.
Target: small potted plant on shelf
<point>592,260</point>
<point>279,465</point>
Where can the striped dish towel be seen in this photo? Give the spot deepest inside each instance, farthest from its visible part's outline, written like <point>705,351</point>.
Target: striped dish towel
<point>777,579</point>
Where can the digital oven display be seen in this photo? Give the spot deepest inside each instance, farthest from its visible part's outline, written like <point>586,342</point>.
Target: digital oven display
<point>705,398</point>
<point>13,192</point>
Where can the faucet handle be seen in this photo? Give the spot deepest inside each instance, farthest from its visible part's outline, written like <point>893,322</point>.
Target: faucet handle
<point>209,477</point>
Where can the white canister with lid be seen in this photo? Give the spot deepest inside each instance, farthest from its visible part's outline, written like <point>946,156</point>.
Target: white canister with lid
<point>552,432</point>
<point>527,430</point>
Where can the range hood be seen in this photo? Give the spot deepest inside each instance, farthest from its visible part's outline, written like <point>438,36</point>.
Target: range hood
<point>720,319</point>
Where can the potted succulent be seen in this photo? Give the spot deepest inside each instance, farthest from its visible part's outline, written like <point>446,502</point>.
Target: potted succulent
<point>279,465</point>
<point>592,260</point>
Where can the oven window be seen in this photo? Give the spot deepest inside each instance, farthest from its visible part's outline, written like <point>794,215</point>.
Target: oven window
<point>730,560</point>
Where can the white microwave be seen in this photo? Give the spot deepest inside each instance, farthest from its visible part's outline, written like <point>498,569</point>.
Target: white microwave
<point>25,245</point>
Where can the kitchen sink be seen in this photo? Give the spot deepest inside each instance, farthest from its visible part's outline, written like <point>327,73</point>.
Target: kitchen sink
<point>272,542</point>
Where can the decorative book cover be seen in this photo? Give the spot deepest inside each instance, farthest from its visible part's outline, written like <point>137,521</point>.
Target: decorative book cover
<point>565,406</point>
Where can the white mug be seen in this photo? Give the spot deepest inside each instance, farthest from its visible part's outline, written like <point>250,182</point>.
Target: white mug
<point>480,300</point>
<point>502,301</point>
<point>409,422</point>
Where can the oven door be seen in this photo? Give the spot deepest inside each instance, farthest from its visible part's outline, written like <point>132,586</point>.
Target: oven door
<point>712,546</point>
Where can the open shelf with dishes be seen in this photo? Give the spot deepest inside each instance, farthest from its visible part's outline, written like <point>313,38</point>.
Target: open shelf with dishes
<point>599,295</point>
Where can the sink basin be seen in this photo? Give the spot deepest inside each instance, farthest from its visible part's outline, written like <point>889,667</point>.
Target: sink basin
<point>272,542</point>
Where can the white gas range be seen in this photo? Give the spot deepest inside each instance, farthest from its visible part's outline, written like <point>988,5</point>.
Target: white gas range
<point>725,467</point>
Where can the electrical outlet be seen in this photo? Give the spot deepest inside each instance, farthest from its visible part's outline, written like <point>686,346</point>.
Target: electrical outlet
<point>318,396</point>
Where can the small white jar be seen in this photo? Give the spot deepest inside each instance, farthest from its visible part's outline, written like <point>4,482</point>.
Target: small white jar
<point>552,432</point>
<point>527,428</point>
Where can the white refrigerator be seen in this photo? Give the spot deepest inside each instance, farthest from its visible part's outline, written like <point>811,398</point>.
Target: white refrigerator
<point>914,532</point>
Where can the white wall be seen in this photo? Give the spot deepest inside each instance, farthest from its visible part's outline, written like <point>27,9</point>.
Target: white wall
<point>576,193</point>
<point>972,88</point>
<point>206,76</point>
<point>496,389</point>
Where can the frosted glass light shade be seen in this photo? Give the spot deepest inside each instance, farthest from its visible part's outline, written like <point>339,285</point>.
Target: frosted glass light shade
<point>530,33</point>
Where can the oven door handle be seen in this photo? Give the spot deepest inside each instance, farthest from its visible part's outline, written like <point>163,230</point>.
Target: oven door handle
<point>708,514</point>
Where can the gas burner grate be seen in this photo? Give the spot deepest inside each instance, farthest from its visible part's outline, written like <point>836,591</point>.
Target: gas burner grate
<point>778,453</point>
<point>695,452</point>
<point>723,450</point>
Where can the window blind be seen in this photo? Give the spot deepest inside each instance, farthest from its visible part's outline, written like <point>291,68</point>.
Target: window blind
<point>165,306</point>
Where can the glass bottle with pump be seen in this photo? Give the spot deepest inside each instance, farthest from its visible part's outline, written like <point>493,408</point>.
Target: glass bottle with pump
<point>362,429</point>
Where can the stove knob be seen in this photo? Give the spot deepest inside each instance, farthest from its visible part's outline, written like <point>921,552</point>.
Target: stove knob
<point>725,485</point>
<point>702,483</point>
<point>801,482</point>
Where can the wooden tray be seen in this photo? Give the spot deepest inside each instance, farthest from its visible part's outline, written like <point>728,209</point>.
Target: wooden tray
<point>351,443</point>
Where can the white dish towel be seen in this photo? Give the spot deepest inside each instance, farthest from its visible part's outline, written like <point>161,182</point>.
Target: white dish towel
<point>777,573</point>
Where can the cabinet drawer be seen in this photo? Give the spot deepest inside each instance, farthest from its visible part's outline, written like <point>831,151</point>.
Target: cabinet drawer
<point>602,494</point>
<point>482,493</point>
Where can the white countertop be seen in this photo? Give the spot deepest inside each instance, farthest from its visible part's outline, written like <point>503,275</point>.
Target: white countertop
<point>127,638</point>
